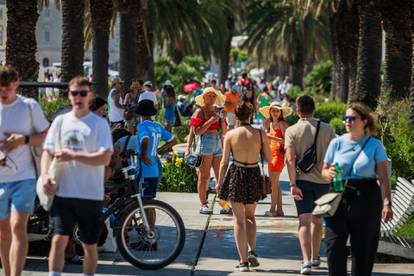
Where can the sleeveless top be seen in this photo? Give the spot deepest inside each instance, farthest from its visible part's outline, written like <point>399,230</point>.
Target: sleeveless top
<point>115,114</point>
<point>275,145</point>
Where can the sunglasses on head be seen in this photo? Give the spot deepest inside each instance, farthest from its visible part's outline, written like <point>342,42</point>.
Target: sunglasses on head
<point>351,119</point>
<point>81,93</point>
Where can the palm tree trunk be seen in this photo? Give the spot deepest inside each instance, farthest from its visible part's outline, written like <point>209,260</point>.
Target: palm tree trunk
<point>72,38</point>
<point>128,44</point>
<point>225,55</point>
<point>21,41</point>
<point>101,12</point>
<point>297,66</point>
<point>369,54</point>
<point>397,67</point>
<point>144,41</point>
<point>411,116</point>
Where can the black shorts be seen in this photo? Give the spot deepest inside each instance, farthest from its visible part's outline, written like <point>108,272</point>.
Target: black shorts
<point>150,188</point>
<point>87,214</point>
<point>311,191</point>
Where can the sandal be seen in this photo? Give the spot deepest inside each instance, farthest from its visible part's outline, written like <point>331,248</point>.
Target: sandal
<point>270,214</point>
<point>280,214</point>
<point>205,210</point>
<point>226,212</point>
<point>78,260</point>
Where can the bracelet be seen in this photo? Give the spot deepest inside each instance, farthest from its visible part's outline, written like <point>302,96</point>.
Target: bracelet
<point>292,185</point>
<point>387,203</point>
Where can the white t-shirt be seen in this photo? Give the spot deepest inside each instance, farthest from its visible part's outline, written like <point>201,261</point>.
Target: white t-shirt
<point>88,134</point>
<point>17,118</point>
<point>148,95</point>
<point>115,114</point>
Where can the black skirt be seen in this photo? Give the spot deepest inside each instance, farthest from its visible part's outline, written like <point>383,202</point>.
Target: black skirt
<point>243,185</point>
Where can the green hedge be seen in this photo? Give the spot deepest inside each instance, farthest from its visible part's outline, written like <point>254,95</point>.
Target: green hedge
<point>178,176</point>
<point>49,108</point>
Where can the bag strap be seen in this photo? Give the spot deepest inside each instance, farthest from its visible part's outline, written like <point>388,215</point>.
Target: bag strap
<point>318,126</point>
<point>126,143</point>
<point>261,150</point>
<point>356,156</point>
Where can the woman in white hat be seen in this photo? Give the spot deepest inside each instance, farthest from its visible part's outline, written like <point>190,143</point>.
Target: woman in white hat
<point>276,113</point>
<point>206,124</point>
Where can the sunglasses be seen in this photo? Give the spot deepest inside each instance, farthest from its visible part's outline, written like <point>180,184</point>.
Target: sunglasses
<point>351,119</point>
<point>81,93</point>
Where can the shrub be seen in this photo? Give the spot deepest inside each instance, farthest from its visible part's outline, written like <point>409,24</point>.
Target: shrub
<point>178,176</point>
<point>49,108</point>
<point>327,111</point>
<point>318,81</point>
<point>338,125</point>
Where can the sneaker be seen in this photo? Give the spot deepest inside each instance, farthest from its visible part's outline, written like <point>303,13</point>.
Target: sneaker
<point>205,210</point>
<point>317,262</point>
<point>252,259</point>
<point>242,267</point>
<point>306,268</point>
<point>226,212</point>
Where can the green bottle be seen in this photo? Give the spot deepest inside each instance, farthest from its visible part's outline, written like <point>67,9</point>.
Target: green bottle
<point>338,184</point>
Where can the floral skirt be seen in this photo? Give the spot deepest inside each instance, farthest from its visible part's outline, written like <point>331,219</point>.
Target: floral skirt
<point>241,184</point>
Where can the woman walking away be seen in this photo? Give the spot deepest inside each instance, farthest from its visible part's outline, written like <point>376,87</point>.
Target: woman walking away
<point>242,184</point>
<point>358,159</point>
<point>277,114</point>
<point>169,105</point>
<point>206,123</point>
<point>130,103</point>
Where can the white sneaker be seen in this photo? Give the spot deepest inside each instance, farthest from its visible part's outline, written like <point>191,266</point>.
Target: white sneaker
<point>306,268</point>
<point>242,267</point>
<point>316,263</point>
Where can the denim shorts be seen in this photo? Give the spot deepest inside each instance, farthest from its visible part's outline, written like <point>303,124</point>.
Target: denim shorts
<point>17,196</point>
<point>209,145</point>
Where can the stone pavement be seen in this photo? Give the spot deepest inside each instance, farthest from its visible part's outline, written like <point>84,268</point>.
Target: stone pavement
<point>277,246</point>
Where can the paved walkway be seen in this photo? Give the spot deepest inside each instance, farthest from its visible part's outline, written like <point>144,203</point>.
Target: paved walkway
<point>277,246</point>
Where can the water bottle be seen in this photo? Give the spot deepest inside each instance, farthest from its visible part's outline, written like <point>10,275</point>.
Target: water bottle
<point>338,184</point>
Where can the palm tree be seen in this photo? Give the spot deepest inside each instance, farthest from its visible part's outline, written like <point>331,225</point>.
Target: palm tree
<point>101,13</point>
<point>411,117</point>
<point>369,54</point>
<point>21,44</point>
<point>397,67</point>
<point>72,38</point>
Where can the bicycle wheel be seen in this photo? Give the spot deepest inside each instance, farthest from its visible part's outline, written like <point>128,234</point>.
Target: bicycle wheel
<point>156,248</point>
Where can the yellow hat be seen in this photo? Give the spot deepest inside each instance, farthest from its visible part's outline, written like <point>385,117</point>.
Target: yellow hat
<point>219,100</point>
<point>286,110</point>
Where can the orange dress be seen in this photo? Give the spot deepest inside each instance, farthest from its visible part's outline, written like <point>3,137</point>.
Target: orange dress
<point>278,152</point>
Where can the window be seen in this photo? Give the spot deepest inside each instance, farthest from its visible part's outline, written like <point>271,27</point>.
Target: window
<point>47,36</point>
<point>45,62</point>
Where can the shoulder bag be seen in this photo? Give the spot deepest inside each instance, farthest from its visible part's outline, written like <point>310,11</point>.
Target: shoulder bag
<point>267,182</point>
<point>327,204</point>
<point>44,199</point>
<point>35,151</point>
<point>309,157</point>
<point>193,159</point>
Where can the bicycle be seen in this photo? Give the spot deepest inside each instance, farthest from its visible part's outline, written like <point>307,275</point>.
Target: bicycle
<point>143,243</point>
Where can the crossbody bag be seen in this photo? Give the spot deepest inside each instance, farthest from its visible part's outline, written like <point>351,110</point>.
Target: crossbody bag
<point>309,157</point>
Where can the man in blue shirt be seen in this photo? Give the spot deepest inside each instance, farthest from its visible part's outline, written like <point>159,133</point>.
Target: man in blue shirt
<point>150,134</point>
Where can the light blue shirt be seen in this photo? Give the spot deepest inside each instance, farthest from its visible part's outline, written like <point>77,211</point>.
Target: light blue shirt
<point>155,133</point>
<point>343,151</point>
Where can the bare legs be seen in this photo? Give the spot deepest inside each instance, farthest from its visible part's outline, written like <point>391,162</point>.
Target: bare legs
<point>244,228</point>
<point>204,177</point>
<point>310,235</point>
<point>276,204</point>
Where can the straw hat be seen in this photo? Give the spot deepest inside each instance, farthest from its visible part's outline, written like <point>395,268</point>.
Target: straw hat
<point>286,110</point>
<point>219,100</point>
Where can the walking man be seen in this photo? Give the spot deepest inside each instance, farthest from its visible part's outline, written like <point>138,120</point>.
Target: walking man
<point>116,109</point>
<point>232,100</point>
<point>22,125</point>
<point>83,148</point>
<point>307,187</point>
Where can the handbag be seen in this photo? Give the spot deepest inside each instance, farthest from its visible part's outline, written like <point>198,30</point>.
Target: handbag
<point>53,172</point>
<point>327,204</point>
<point>267,182</point>
<point>35,151</point>
<point>308,159</point>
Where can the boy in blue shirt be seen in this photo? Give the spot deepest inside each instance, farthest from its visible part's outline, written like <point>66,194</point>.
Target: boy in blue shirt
<point>150,134</point>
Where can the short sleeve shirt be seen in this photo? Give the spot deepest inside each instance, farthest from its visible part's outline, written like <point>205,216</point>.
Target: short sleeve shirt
<point>155,133</point>
<point>23,116</point>
<point>232,98</point>
<point>343,151</point>
<point>148,95</point>
<point>300,137</point>
<point>88,134</point>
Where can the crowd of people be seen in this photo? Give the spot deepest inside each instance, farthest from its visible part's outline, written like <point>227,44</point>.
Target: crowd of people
<point>224,122</point>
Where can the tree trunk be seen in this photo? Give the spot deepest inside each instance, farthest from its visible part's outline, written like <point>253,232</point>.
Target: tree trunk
<point>72,38</point>
<point>282,68</point>
<point>21,41</point>
<point>369,54</point>
<point>343,84</point>
<point>225,55</point>
<point>101,13</point>
<point>150,56</point>
<point>411,116</point>
<point>297,66</point>
<point>397,67</point>
<point>128,43</point>
<point>336,72</point>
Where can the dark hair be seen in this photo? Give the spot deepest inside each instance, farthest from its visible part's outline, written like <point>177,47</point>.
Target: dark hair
<point>244,111</point>
<point>8,75</point>
<point>119,133</point>
<point>80,81</point>
<point>305,104</point>
<point>280,116</point>
<point>169,90</point>
<point>97,103</point>
<point>244,75</point>
<point>366,114</point>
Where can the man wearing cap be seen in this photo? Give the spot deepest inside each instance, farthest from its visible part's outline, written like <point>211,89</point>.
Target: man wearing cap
<point>116,109</point>
<point>148,94</point>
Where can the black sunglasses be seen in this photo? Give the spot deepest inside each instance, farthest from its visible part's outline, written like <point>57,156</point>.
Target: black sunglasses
<point>351,119</point>
<point>81,93</point>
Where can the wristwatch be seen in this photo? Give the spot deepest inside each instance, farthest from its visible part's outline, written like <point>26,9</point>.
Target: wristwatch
<point>387,202</point>
<point>26,139</point>
<point>292,185</point>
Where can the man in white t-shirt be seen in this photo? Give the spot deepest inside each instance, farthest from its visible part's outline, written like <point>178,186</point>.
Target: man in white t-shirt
<point>22,124</point>
<point>82,144</point>
<point>148,94</point>
<point>116,109</point>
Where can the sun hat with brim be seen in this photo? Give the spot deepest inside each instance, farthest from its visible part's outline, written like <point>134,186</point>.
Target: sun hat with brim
<point>286,110</point>
<point>146,108</point>
<point>219,100</point>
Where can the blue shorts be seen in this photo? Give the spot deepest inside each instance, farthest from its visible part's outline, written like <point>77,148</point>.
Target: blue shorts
<point>17,196</point>
<point>311,191</point>
<point>149,188</point>
<point>209,145</point>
